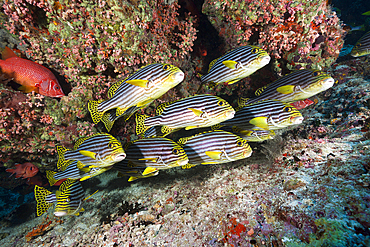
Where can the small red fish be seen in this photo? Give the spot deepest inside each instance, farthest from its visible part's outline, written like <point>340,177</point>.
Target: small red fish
<point>32,76</point>
<point>26,170</point>
<point>302,103</point>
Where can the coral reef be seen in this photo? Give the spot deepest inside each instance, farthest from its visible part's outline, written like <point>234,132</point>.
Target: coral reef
<point>298,34</point>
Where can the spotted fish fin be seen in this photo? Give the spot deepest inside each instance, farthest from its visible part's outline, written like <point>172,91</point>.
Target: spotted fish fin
<point>112,89</point>
<point>286,89</point>
<point>260,122</point>
<point>108,121</point>
<point>50,177</point>
<point>183,140</point>
<point>161,108</point>
<point>88,154</point>
<point>213,155</point>
<point>196,111</point>
<point>260,90</point>
<point>82,139</point>
<point>216,126</point>
<point>96,115</point>
<point>149,170</point>
<point>165,130</point>
<point>187,166</point>
<point>40,196</point>
<point>212,63</point>
<point>140,123</point>
<point>230,64</point>
<point>242,102</point>
<point>138,83</point>
<point>61,152</point>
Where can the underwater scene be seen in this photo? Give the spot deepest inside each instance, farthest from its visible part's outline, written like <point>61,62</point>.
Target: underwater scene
<point>185,123</point>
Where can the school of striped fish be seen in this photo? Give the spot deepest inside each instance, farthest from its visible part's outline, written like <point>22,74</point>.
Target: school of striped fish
<point>225,140</point>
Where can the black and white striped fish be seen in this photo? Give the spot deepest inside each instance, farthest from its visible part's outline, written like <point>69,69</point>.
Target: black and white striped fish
<point>296,86</point>
<point>99,150</point>
<point>362,46</point>
<point>214,147</point>
<point>75,170</point>
<point>136,92</point>
<point>193,112</point>
<point>265,115</point>
<point>68,199</point>
<point>236,65</point>
<point>133,171</point>
<point>155,154</point>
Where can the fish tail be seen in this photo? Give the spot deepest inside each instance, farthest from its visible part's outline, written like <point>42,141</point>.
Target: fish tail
<point>50,177</point>
<point>140,123</point>
<point>108,121</point>
<point>242,102</point>
<point>216,126</point>
<point>96,115</point>
<point>61,160</point>
<point>40,196</point>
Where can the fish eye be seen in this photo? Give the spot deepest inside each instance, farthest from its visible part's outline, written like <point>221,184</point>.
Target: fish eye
<point>316,73</point>
<point>175,151</point>
<point>239,143</point>
<point>287,109</point>
<point>221,103</point>
<point>254,50</point>
<point>166,67</point>
<point>112,145</point>
<point>57,87</point>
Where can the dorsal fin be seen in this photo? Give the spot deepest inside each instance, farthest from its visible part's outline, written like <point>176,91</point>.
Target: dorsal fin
<point>8,53</point>
<point>112,89</point>
<point>82,139</point>
<point>260,90</point>
<point>183,140</point>
<point>161,108</point>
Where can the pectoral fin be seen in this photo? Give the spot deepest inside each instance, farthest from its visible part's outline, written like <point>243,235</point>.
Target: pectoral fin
<point>148,170</point>
<point>28,89</point>
<point>138,83</point>
<point>88,154</point>
<point>191,127</point>
<point>285,89</point>
<point>230,64</point>
<point>214,155</point>
<point>196,111</point>
<point>260,122</point>
<point>150,159</point>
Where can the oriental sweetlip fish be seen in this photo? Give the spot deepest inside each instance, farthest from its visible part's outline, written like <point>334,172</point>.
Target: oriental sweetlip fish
<point>264,115</point>
<point>99,150</point>
<point>296,86</point>
<point>236,65</point>
<point>68,199</point>
<point>251,135</point>
<point>193,112</point>
<point>362,46</point>
<point>30,75</point>
<point>151,155</point>
<point>214,147</point>
<point>136,92</point>
<point>74,170</point>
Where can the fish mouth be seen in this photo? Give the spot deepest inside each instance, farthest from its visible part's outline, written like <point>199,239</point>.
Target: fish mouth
<point>178,76</point>
<point>59,214</point>
<point>247,153</point>
<point>296,120</point>
<point>264,60</point>
<point>119,157</point>
<point>229,114</point>
<point>182,162</point>
<point>327,83</point>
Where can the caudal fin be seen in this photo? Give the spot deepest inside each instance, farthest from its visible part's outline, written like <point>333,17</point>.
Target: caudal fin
<point>140,123</point>
<point>96,115</point>
<point>40,196</point>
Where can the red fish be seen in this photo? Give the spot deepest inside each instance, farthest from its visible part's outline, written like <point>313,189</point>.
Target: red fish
<point>32,76</point>
<point>302,103</point>
<point>26,170</point>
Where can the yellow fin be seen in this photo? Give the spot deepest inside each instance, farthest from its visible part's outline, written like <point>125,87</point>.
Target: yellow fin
<point>108,123</point>
<point>61,161</point>
<point>213,155</point>
<point>96,115</point>
<point>50,177</point>
<point>144,103</point>
<point>216,126</point>
<point>196,111</point>
<point>285,89</point>
<point>209,163</point>
<point>187,166</point>
<point>28,89</point>
<point>140,124</point>
<point>88,154</point>
<point>150,159</point>
<point>132,179</point>
<point>40,196</point>
<point>113,88</point>
<point>230,64</point>
<point>366,13</point>
<point>232,81</point>
<point>191,127</point>
<point>148,170</point>
<point>138,83</point>
<point>183,140</point>
<point>260,122</point>
<point>161,108</point>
